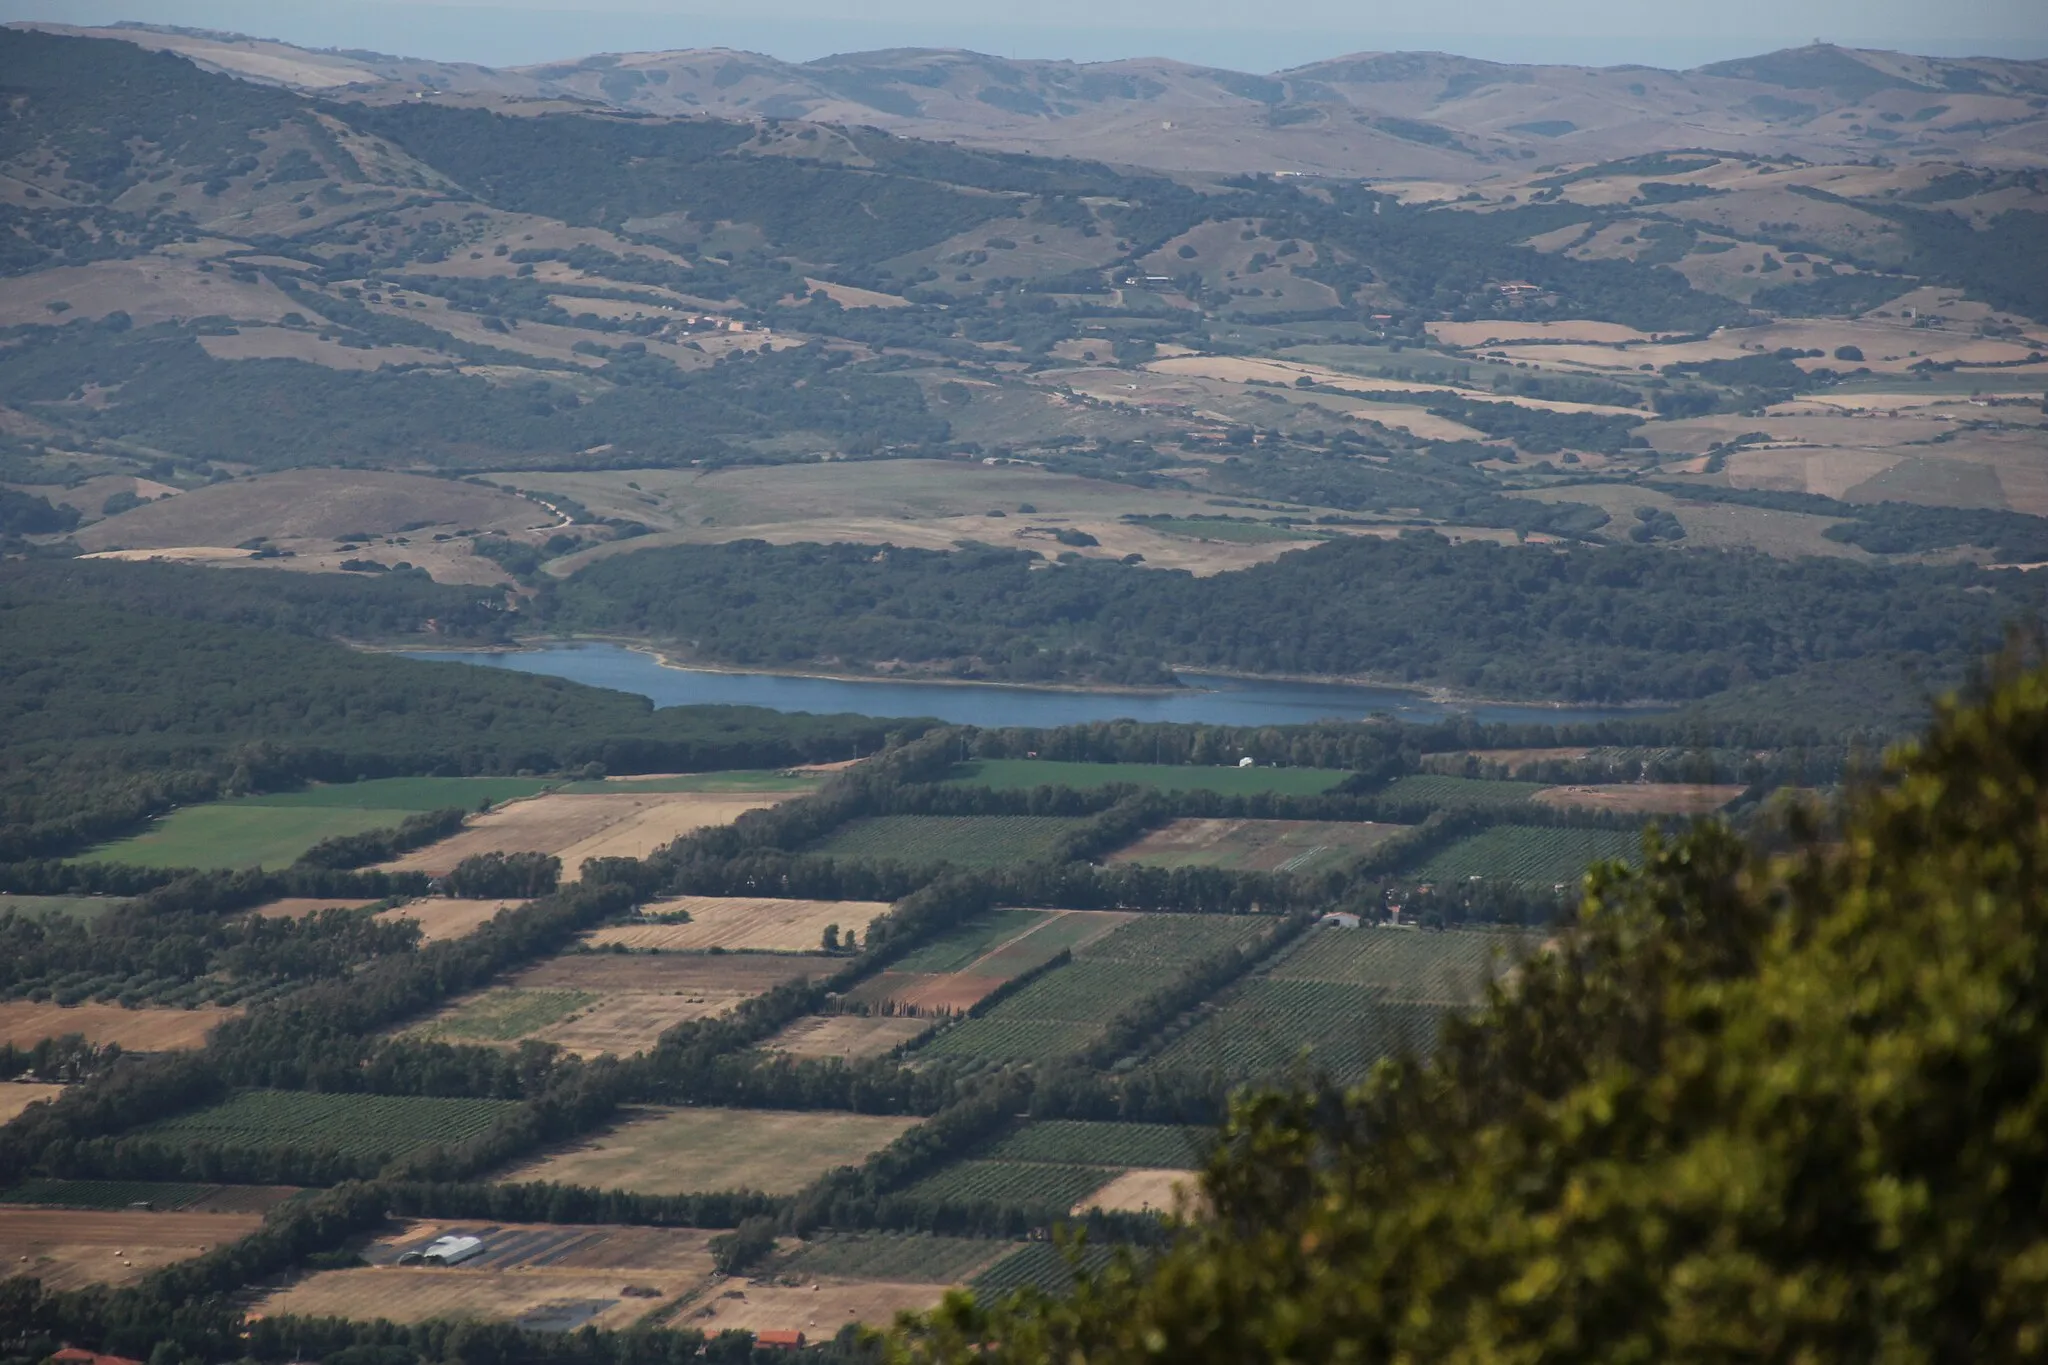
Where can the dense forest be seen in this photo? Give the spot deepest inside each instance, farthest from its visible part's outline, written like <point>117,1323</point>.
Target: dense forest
<point>112,707</point>
<point>1609,624</point>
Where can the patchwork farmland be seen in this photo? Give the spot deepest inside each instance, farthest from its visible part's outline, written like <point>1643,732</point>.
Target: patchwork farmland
<point>1068,1008</point>
<point>1340,999</point>
<point>957,970</point>
<point>551,1277</point>
<point>595,1003</point>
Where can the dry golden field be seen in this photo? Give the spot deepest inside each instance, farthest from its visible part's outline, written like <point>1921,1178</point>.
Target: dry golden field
<point>1642,798</point>
<point>445,917</point>
<point>687,1151</point>
<point>1256,845</point>
<point>72,1248</point>
<point>741,923</point>
<point>19,1095</point>
<point>1141,1191</point>
<point>24,1022</point>
<point>848,1036</point>
<point>298,907</point>
<point>818,1309</point>
<point>577,826</point>
<point>539,1275</point>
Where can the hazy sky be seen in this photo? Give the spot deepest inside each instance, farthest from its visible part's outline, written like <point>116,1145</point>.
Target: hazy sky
<point>1658,32</point>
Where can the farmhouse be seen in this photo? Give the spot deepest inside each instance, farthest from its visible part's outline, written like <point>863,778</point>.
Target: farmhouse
<point>780,1339</point>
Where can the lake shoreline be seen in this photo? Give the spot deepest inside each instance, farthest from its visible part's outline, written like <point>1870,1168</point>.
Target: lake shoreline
<point>1436,696</point>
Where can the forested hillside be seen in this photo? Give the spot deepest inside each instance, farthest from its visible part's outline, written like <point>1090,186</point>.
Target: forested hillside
<point>1607,624</point>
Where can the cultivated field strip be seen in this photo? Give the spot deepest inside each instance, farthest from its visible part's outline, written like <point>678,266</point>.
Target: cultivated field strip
<point>965,841</point>
<point>1066,1009</point>
<point>73,1248</point>
<point>1449,968</point>
<point>625,824</point>
<point>1262,1028</point>
<point>1012,1182</point>
<point>923,1259</point>
<point>738,924</point>
<point>1255,845</point>
<point>1529,855</point>
<point>693,1151</point>
<point>1083,1143</point>
<point>1459,793</point>
<point>542,1276</point>
<point>25,1023</point>
<point>1042,1266</point>
<point>379,1126</point>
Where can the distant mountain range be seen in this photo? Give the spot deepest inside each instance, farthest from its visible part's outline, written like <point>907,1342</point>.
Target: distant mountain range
<point>1415,115</point>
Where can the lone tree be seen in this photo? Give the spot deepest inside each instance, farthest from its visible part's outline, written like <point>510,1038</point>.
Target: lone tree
<point>1753,1106</point>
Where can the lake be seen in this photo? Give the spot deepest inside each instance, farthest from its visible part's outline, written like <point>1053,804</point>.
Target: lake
<point>1207,699</point>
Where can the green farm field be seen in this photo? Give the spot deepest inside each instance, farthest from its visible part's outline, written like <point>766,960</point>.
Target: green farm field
<point>106,1194</point>
<point>1340,1000</point>
<point>404,793</point>
<point>235,834</point>
<point>898,1257</point>
<point>375,1126</point>
<point>1043,1266</point>
<point>959,948</point>
<point>1023,774</point>
<point>967,841</point>
<point>1458,793</point>
<point>1160,1146</point>
<point>272,830</point>
<point>505,1015</point>
<point>1067,1008</point>
<point>81,908</point>
<point>1052,1187</point>
<point>1529,855</point>
<point>1256,845</point>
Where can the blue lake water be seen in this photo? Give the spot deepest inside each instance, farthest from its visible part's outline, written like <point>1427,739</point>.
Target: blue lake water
<point>1206,699</point>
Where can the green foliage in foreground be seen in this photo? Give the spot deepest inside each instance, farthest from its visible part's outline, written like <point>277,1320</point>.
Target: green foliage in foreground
<point>1785,1107</point>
